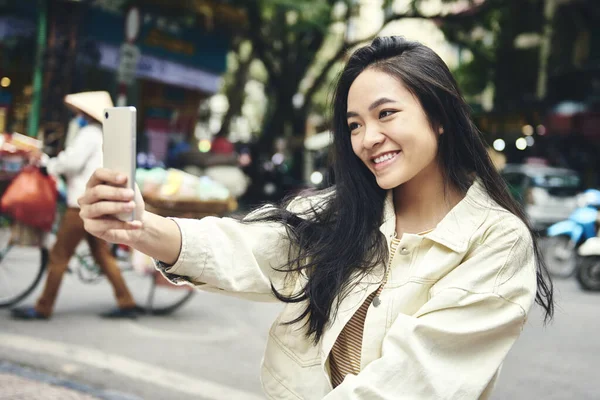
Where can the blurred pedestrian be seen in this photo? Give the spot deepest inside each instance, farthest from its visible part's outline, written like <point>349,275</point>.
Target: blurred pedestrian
<point>223,167</point>
<point>411,279</point>
<point>77,162</point>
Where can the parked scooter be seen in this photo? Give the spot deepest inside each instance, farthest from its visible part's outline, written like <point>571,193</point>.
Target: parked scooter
<point>588,272</point>
<point>564,238</point>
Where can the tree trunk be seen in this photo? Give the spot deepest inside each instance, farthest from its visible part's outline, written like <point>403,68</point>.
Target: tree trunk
<point>505,76</point>
<point>236,94</point>
<point>549,11</point>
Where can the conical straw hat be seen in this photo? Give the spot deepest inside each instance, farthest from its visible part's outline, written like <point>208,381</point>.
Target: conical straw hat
<point>90,103</point>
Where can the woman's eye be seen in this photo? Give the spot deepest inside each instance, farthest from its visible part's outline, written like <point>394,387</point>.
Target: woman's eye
<point>352,126</point>
<point>386,113</point>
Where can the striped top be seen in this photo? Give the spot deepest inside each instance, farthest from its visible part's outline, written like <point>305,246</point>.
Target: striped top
<point>345,357</point>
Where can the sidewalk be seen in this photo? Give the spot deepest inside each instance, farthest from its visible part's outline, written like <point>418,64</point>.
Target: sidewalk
<point>21,383</point>
<point>17,387</point>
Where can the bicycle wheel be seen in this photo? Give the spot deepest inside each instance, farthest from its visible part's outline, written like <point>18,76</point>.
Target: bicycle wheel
<point>21,268</point>
<point>165,297</point>
<point>84,264</point>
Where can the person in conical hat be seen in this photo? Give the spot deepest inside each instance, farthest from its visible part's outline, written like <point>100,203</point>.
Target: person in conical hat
<point>86,106</point>
<point>89,104</point>
<point>81,157</point>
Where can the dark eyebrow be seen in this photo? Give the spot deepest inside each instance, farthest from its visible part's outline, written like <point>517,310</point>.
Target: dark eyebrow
<point>373,106</point>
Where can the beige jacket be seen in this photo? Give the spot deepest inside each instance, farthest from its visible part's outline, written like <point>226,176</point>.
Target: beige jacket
<point>454,304</point>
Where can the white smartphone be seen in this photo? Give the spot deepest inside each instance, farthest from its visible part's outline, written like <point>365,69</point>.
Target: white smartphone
<point>119,145</point>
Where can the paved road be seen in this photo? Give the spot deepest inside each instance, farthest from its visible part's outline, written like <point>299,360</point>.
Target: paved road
<point>211,348</point>
<point>559,361</point>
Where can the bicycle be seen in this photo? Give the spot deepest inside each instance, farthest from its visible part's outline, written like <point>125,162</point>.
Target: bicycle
<point>22,269</point>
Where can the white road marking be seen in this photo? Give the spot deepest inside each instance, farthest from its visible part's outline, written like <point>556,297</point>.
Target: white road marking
<point>152,374</point>
<point>70,368</point>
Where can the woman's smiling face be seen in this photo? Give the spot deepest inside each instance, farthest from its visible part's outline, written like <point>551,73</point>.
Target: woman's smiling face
<point>389,129</point>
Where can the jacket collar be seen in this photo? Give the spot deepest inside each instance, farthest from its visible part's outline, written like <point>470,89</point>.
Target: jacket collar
<point>455,230</point>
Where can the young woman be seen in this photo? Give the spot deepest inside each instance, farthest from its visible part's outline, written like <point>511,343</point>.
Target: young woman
<point>411,279</point>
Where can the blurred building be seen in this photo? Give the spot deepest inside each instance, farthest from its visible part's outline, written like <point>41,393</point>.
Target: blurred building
<point>162,57</point>
<point>574,70</point>
<point>17,57</point>
<point>562,127</point>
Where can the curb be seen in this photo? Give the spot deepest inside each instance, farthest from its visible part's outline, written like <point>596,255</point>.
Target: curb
<point>43,377</point>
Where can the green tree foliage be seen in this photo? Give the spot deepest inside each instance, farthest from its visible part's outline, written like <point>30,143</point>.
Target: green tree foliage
<point>302,43</point>
<point>299,47</point>
<point>499,55</point>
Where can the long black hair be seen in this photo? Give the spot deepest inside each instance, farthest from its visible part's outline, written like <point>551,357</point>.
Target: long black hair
<point>338,241</point>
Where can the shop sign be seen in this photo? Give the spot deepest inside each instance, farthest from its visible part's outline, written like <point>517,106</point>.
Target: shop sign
<point>162,70</point>
<point>129,56</point>
<point>14,26</point>
<point>163,37</point>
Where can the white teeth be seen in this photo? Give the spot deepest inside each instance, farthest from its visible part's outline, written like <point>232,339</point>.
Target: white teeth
<point>384,157</point>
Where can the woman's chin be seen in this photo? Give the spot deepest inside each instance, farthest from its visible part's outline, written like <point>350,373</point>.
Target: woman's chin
<point>388,183</point>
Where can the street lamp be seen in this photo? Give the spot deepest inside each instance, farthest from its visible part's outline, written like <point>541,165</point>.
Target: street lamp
<point>499,145</point>
<point>521,143</point>
<point>530,141</point>
<point>316,177</point>
<point>527,130</point>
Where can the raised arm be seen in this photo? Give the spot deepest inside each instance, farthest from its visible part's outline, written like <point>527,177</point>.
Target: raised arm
<point>218,253</point>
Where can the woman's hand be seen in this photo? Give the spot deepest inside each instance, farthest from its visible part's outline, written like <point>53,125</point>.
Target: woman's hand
<point>104,199</point>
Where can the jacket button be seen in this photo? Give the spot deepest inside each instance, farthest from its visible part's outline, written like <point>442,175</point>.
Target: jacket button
<point>376,301</point>
<point>404,251</point>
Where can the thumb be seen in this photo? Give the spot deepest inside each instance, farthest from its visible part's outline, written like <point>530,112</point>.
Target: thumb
<point>140,206</point>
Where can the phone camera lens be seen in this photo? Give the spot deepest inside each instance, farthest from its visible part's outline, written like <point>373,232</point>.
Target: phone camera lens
<point>106,115</point>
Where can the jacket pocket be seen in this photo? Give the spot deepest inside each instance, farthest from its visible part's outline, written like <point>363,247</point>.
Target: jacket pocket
<point>286,374</point>
<point>292,339</point>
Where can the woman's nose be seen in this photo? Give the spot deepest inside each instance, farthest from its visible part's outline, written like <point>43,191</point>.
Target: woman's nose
<point>373,137</point>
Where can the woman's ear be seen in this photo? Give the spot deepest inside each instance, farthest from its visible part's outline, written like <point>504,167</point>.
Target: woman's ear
<point>441,130</point>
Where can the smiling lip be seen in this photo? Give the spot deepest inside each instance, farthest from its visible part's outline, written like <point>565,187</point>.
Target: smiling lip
<point>383,164</point>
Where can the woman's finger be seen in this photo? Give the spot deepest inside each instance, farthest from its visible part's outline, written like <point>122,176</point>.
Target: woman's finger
<point>106,208</point>
<point>100,226</point>
<point>105,192</point>
<point>103,175</point>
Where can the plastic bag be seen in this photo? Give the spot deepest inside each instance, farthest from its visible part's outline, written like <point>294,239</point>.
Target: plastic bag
<point>31,199</point>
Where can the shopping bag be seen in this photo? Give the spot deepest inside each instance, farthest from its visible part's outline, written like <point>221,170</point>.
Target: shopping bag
<point>31,198</point>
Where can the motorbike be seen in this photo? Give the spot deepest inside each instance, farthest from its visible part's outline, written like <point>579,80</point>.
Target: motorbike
<point>588,272</point>
<point>565,237</point>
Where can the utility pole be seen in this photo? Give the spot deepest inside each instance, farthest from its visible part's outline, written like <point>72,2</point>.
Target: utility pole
<point>36,99</point>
